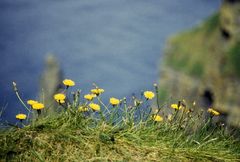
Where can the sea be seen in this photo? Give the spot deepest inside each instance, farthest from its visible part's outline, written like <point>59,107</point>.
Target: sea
<point>117,44</point>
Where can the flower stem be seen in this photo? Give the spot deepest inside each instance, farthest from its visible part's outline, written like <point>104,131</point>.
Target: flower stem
<point>100,101</point>
<point>18,96</point>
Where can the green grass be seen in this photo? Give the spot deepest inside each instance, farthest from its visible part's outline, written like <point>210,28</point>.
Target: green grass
<point>233,57</point>
<point>73,136</point>
<point>193,51</point>
<point>125,132</point>
<point>201,49</point>
<point>212,22</point>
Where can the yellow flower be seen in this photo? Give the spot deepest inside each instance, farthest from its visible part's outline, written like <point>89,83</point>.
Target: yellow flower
<point>149,95</point>
<point>21,116</point>
<point>60,97</point>
<point>94,106</point>
<point>61,101</point>
<point>31,102</point>
<point>157,118</point>
<point>175,106</point>
<point>114,101</point>
<point>97,91</point>
<point>68,82</point>
<point>89,97</point>
<point>82,109</point>
<point>213,112</point>
<point>38,106</point>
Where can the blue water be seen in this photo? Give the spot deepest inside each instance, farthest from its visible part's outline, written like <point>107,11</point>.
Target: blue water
<point>114,43</point>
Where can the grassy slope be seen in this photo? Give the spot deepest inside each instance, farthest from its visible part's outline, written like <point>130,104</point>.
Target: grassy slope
<point>188,51</point>
<point>72,137</point>
<point>202,49</point>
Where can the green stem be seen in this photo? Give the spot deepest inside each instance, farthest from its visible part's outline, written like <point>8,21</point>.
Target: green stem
<point>102,117</point>
<point>100,101</point>
<point>158,103</point>
<point>180,121</point>
<point>20,99</point>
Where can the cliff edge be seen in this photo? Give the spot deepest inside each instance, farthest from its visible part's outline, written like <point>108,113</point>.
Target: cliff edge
<point>203,64</point>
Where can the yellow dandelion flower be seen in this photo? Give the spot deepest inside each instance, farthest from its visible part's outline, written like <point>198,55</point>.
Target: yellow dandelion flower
<point>213,112</point>
<point>97,91</point>
<point>68,82</point>
<point>157,118</point>
<point>82,109</point>
<point>94,91</point>
<point>38,106</point>
<point>114,101</point>
<point>94,106</point>
<point>60,97</point>
<point>21,116</point>
<point>175,106</point>
<point>31,102</point>
<point>89,97</point>
<point>61,101</point>
<point>149,95</point>
<point>101,90</point>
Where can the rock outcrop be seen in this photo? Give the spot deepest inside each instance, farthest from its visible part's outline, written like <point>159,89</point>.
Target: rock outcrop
<point>50,83</point>
<point>203,64</point>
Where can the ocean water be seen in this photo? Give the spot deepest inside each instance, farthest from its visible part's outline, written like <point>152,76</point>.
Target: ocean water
<point>116,44</point>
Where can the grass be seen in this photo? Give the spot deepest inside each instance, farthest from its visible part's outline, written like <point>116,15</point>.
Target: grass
<point>203,48</point>
<point>123,132</point>
<point>232,59</point>
<point>71,137</point>
<point>193,51</point>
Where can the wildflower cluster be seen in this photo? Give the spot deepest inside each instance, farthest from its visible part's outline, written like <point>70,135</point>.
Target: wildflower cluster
<point>139,108</point>
<point>34,105</point>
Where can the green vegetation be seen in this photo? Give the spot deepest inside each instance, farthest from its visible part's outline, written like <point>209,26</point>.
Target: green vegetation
<point>120,131</point>
<point>233,58</point>
<point>72,137</point>
<point>202,49</point>
<point>192,52</point>
<point>163,94</point>
<point>206,58</point>
<point>212,23</point>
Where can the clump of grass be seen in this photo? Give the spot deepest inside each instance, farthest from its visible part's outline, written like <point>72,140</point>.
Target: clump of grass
<point>87,129</point>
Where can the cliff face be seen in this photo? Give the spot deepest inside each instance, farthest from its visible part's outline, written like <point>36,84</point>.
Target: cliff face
<point>203,64</point>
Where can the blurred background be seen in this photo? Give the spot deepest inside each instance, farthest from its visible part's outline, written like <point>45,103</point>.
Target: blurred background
<point>115,44</point>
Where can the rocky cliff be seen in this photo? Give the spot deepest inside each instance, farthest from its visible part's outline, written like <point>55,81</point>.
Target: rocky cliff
<point>50,83</point>
<point>203,64</point>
